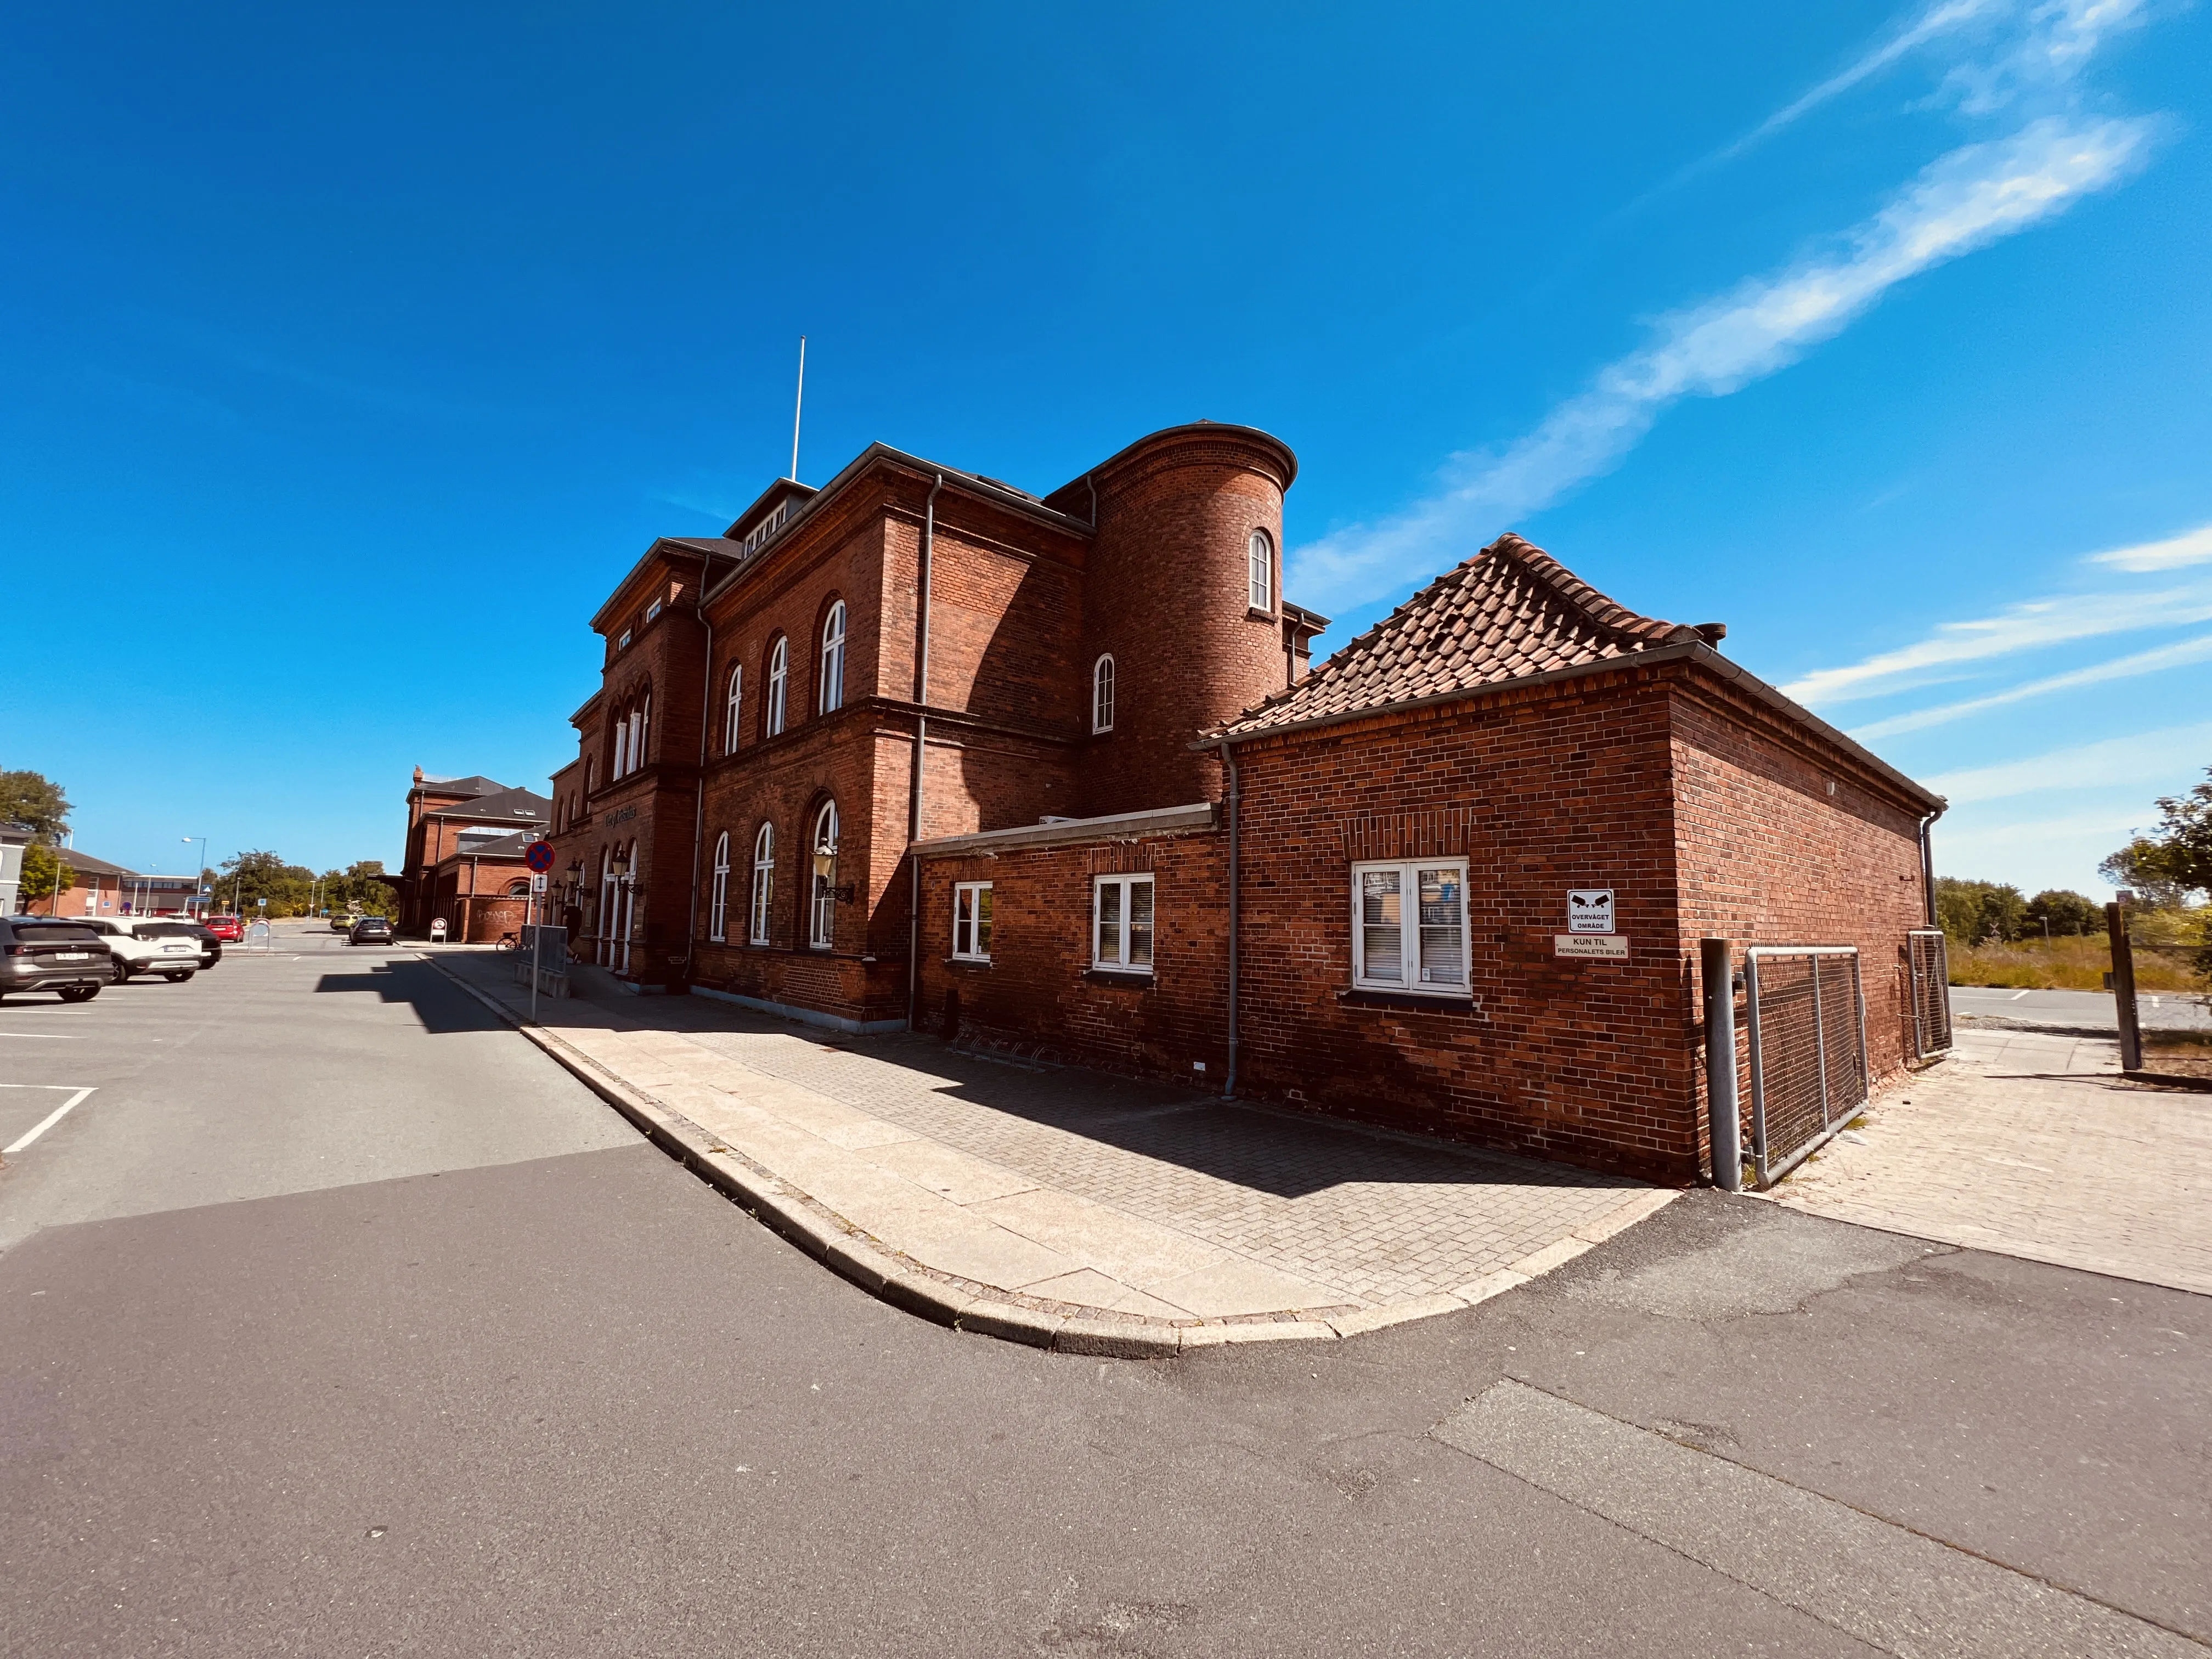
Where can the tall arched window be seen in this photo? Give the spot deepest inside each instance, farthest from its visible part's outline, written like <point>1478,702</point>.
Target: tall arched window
<point>606,920</point>
<point>833,659</point>
<point>822,926</point>
<point>1259,560</point>
<point>1102,694</point>
<point>641,732</point>
<point>764,883</point>
<point>717,912</point>
<point>735,708</point>
<point>621,737</point>
<point>779,675</point>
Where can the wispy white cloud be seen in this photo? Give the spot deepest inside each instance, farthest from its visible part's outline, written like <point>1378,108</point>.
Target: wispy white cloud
<point>2150,758</point>
<point>1967,199</point>
<point>2194,548</point>
<point>2019,628</point>
<point>2120,668</point>
<point>2057,43</point>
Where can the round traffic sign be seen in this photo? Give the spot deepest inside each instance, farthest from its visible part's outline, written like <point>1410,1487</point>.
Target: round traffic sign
<point>540,856</point>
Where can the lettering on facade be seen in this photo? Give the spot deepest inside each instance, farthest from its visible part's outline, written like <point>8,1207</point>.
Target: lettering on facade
<point>622,817</point>
<point>1607,946</point>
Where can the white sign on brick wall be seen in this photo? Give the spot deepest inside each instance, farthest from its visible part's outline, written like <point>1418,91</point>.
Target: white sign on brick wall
<point>1589,910</point>
<point>1608,946</point>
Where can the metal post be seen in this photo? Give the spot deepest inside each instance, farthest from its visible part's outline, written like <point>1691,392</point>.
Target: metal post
<point>537,959</point>
<point>1858,995</point>
<point>2123,987</point>
<point>1721,1109</point>
<point>1757,1067</point>
<point>1820,1043</point>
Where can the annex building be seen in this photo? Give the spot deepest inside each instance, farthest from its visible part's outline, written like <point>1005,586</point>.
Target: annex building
<point>1050,774</point>
<point>464,862</point>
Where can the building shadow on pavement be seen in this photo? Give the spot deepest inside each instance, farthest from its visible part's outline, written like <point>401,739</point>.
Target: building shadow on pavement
<point>443,1007</point>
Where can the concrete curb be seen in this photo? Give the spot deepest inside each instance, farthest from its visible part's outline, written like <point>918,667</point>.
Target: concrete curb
<point>859,1258</point>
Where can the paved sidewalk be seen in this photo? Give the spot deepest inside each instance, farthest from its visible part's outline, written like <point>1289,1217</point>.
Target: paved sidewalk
<point>2031,1145</point>
<point>1063,1206</point>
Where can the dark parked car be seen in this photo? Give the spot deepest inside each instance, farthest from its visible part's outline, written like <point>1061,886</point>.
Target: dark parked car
<point>40,954</point>
<point>210,946</point>
<point>370,930</point>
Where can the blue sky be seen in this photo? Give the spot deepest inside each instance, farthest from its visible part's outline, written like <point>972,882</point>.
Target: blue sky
<point>352,355</point>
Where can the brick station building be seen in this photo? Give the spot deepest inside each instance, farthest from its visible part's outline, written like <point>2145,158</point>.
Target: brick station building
<point>921,748</point>
<point>464,863</point>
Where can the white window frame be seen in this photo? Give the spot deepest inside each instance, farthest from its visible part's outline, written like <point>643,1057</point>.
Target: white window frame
<point>1260,572</point>
<point>1102,693</point>
<point>971,921</point>
<point>779,684</point>
<point>733,708</point>
<point>623,644</point>
<point>822,895</point>
<point>653,611</point>
<point>830,688</point>
<point>1123,962</point>
<point>621,736</point>
<point>1408,871</point>
<point>717,912</point>
<point>764,911</point>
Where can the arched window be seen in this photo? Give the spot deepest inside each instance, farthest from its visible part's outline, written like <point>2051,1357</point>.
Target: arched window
<point>591,776</point>
<point>605,921</point>
<point>717,912</point>
<point>641,732</point>
<point>622,738</point>
<point>519,888</point>
<point>833,659</point>
<point>822,926</point>
<point>1102,694</point>
<point>763,882</point>
<point>734,709</point>
<point>779,675</point>
<point>1260,561</point>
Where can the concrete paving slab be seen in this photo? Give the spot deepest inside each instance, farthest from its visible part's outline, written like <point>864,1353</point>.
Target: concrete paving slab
<point>948,1173</point>
<point>1230,1288</point>
<point>1089,1288</point>
<point>1122,1246</point>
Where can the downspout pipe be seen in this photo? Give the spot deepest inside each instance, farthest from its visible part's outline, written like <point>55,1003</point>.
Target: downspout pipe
<point>1235,801</point>
<point>1928,864</point>
<point>699,793</point>
<point>1716,972</point>
<point>920,743</point>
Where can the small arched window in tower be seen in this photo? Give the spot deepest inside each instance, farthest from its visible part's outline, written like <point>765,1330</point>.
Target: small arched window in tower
<point>779,675</point>
<point>1259,560</point>
<point>1102,694</point>
<point>822,924</point>
<point>734,709</point>
<point>764,883</point>
<point>833,659</point>
<point>718,914</point>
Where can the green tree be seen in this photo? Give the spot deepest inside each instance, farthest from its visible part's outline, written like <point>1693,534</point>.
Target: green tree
<point>45,875</point>
<point>1979,912</point>
<point>363,882</point>
<point>34,800</point>
<point>2070,913</point>
<point>2162,870</point>
<point>244,881</point>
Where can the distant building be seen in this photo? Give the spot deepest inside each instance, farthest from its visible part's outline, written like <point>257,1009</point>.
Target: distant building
<point>466,841</point>
<point>103,889</point>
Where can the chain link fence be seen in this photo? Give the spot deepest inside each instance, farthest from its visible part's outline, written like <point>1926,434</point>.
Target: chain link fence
<point>1930,962</point>
<point>1808,1054</point>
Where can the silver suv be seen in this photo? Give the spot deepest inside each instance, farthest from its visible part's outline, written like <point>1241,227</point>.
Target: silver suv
<point>37,953</point>
<point>141,946</point>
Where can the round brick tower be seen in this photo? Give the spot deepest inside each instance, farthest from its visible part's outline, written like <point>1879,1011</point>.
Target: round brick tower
<point>1168,594</point>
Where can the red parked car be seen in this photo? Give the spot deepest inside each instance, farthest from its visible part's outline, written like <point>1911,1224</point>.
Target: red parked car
<point>228,929</point>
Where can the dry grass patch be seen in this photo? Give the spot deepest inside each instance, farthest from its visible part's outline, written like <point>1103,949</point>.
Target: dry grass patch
<point>2068,964</point>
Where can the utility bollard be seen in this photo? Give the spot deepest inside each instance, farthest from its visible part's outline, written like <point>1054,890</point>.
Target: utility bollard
<point>2123,987</point>
<point>1718,973</point>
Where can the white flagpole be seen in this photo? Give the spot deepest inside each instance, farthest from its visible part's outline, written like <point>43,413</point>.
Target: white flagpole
<point>797,404</point>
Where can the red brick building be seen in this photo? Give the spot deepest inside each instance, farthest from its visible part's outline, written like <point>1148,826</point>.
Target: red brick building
<point>921,747</point>
<point>464,861</point>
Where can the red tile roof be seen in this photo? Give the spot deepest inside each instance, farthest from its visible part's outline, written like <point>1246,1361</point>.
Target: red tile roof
<point>1510,611</point>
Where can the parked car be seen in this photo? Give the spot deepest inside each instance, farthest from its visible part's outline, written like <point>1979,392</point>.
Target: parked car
<point>370,930</point>
<point>209,947</point>
<point>228,929</point>
<point>40,953</point>
<point>148,951</point>
<point>343,923</point>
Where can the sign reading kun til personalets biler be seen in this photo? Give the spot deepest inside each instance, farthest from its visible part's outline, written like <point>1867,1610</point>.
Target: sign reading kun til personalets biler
<point>1608,946</point>
<point>1589,910</point>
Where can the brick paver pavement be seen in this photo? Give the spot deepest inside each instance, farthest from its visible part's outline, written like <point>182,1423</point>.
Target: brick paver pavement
<point>2031,1145</point>
<point>1071,1186</point>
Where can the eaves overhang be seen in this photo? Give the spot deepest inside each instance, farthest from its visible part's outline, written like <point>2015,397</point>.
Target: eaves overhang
<point>1114,826</point>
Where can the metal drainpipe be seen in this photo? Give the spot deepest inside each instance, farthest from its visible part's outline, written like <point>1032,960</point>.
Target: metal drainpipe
<point>1928,867</point>
<point>1236,800</point>
<point>699,795</point>
<point>921,742</point>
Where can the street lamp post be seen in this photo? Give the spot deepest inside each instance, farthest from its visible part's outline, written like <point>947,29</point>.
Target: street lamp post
<point>198,865</point>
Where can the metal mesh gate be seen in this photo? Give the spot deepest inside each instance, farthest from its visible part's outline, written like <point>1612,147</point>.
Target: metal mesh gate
<point>1808,1057</point>
<point>1931,991</point>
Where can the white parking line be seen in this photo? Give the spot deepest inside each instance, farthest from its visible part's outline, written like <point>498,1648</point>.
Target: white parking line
<point>50,1119</point>
<point>49,1036</point>
<point>2015,996</point>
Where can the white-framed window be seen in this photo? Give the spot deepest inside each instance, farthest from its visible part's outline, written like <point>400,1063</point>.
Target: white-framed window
<point>833,659</point>
<point>1121,923</point>
<point>764,883</point>
<point>622,740</point>
<point>623,644</point>
<point>1260,562</point>
<point>734,709</point>
<point>822,911</point>
<point>717,912</point>
<point>653,611</point>
<point>641,734</point>
<point>1102,694</point>
<point>779,679</point>
<point>971,920</point>
<point>1409,927</point>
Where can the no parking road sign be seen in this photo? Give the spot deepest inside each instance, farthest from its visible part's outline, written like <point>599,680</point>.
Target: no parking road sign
<point>539,858</point>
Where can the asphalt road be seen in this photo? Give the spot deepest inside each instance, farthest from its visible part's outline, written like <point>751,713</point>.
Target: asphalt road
<point>339,1321</point>
<point>2166,1010</point>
